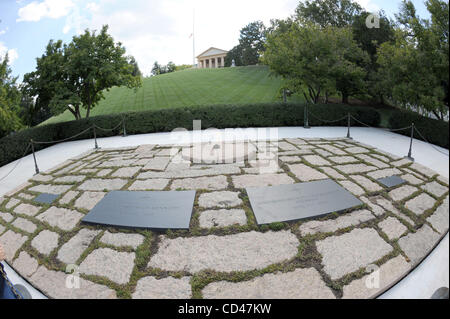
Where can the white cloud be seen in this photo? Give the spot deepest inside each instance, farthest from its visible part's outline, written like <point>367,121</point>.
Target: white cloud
<point>12,53</point>
<point>159,30</point>
<point>54,9</point>
<point>93,7</point>
<point>368,5</point>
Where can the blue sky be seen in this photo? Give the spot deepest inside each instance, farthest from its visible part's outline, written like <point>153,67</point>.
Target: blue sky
<point>150,30</point>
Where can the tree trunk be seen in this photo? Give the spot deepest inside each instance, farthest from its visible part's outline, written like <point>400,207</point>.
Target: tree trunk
<point>75,111</point>
<point>344,97</point>
<point>78,113</point>
<point>439,115</point>
<point>88,112</point>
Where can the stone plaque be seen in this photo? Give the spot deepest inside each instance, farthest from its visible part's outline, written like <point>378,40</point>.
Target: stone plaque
<point>285,203</point>
<point>152,210</point>
<point>391,181</point>
<point>46,198</point>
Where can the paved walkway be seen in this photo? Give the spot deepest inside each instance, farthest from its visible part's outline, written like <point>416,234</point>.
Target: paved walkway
<point>160,169</point>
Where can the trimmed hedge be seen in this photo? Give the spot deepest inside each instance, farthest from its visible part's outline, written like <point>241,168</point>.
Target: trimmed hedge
<point>13,146</point>
<point>435,131</point>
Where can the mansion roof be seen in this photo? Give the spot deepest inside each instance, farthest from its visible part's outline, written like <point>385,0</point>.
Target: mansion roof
<point>211,52</point>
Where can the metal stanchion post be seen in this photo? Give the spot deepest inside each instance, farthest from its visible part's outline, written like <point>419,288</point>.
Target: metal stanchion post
<point>124,128</point>
<point>348,126</point>
<point>95,137</point>
<point>410,144</point>
<point>306,117</point>
<point>34,157</point>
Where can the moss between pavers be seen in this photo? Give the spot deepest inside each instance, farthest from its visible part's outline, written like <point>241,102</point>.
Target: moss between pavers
<point>307,255</point>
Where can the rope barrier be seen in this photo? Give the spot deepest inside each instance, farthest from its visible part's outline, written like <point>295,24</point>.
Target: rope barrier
<point>327,121</point>
<point>389,129</point>
<point>17,164</point>
<point>122,122</point>
<point>109,129</point>
<point>420,134</point>
<point>64,140</point>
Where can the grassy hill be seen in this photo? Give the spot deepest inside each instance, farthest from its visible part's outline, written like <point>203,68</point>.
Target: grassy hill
<point>240,85</point>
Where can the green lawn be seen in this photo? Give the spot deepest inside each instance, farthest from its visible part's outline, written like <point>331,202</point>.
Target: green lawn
<point>240,85</point>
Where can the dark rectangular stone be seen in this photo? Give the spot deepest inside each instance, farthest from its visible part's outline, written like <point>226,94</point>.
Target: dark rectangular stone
<point>46,198</point>
<point>391,181</point>
<point>285,203</point>
<point>152,210</point>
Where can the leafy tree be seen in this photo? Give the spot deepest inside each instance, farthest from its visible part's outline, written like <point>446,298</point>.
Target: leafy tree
<point>136,71</point>
<point>156,69</point>
<point>316,60</point>
<point>415,68</point>
<point>337,13</point>
<point>250,47</point>
<point>44,83</point>
<point>370,40</point>
<point>29,113</point>
<point>162,69</point>
<point>182,67</point>
<point>235,54</point>
<point>347,13</point>
<point>75,76</point>
<point>9,99</point>
<point>170,67</point>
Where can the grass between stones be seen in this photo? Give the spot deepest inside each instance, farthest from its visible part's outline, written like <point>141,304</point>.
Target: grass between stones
<point>307,255</point>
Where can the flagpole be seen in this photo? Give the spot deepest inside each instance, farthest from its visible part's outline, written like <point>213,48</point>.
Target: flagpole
<point>193,38</point>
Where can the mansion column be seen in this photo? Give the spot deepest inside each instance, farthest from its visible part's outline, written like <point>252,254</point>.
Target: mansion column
<point>223,62</point>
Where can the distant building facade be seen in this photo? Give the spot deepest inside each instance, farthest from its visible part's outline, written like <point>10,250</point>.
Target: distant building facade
<point>212,58</point>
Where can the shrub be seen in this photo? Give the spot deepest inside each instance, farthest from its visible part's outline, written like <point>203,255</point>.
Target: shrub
<point>165,120</point>
<point>435,131</point>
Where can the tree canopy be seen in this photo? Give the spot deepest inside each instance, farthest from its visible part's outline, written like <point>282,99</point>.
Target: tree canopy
<point>337,13</point>
<point>250,47</point>
<point>327,46</point>
<point>162,69</point>
<point>317,60</point>
<point>9,99</point>
<point>90,64</point>
<point>414,68</point>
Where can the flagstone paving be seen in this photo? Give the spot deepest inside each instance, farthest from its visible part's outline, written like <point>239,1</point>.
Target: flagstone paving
<point>165,288</point>
<point>418,205</point>
<point>298,284</point>
<point>222,218</point>
<point>371,285</point>
<point>440,218</point>
<point>347,253</point>
<point>392,227</point>
<point>25,264</point>
<point>225,254</point>
<point>45,242</point>
<point>72,250</point>
<point>219,199</point>
<point>122,239</point>
<point>402,192</point>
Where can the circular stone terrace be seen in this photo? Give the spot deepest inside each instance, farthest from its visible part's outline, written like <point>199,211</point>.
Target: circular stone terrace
<point>225,254</point>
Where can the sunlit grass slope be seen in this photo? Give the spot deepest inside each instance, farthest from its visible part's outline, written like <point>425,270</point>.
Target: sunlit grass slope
<point>240,85</point>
